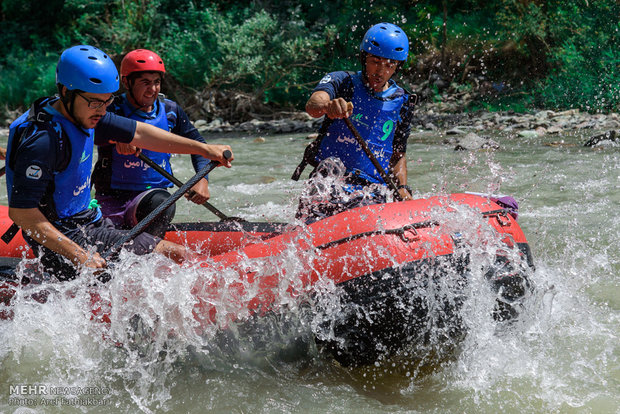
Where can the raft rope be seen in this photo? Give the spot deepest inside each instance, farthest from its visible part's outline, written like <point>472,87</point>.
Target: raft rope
<point>399,232</point>
<point>402,230</point>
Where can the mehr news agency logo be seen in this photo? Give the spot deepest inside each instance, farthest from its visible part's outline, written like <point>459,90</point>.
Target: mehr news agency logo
<point>32,395</point>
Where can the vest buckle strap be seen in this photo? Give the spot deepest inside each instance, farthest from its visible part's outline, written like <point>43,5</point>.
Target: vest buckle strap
<point>43,116</point>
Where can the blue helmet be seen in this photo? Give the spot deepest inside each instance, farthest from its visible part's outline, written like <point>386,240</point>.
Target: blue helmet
<point>386,40</point>
<point>88,69</point>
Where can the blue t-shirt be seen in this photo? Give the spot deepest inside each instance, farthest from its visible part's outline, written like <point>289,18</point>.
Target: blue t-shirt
<point>37,161</point>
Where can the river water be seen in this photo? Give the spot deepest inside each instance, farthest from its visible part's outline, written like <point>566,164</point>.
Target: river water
<point>563,355</point>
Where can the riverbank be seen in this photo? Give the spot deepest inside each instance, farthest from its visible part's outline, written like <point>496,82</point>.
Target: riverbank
<point>430,117</point>
<point>463,128</point>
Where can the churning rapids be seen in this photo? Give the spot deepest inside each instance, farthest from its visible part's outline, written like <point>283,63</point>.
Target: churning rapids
<point>561,355</point>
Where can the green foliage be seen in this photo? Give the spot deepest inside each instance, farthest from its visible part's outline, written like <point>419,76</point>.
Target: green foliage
<point>559,53</point>
<point>585,54</point>
<point>25,78</point>
<point>260,54</point>
<point>583,83</point>
<point>522,21</point>
<point>520,102</point>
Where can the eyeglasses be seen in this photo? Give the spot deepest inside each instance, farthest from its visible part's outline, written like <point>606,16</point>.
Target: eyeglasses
<point>96,103</point>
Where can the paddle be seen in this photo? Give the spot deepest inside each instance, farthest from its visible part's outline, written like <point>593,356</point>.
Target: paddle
<point>373,159</point>
<point>178,183</point>
<point>143,224</point>
<point>2,171</point>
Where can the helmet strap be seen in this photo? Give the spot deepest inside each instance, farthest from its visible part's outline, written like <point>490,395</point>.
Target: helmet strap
<point>68,101</point>
<point>363,56</point>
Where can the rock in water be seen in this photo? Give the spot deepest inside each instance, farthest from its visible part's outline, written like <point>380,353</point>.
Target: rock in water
<point>473,142</point>
<point>608,138</point>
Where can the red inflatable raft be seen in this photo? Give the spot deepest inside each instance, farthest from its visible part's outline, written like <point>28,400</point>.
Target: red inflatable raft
<point>381,257</point>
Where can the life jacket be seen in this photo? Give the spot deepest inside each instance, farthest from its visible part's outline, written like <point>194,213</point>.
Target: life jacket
<point>115,171</point>
<point>69,193</point>
<point>376,121</point>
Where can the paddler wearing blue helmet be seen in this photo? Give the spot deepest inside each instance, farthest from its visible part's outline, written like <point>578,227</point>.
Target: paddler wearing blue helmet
<point>381,111</point>
<point>49,162</point>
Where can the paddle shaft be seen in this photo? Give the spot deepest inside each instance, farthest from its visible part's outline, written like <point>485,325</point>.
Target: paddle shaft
<point>178,183</point>
<point>373,159</point>
<point>2,171</point>
<point>143,224</point>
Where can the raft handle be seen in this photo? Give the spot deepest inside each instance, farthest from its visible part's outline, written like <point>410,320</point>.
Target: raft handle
<point>500,215</point>
<point>502,219</point>
<point>411,229</point>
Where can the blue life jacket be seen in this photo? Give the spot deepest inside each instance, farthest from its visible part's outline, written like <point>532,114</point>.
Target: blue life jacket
<point>128,171</point>
<point>376,120</point>
<point>69,193</point>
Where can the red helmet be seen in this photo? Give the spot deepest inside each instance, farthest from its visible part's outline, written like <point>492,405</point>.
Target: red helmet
<point>141,60</point>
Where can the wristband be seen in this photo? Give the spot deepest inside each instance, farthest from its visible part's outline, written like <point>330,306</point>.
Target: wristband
<point>406,187</point>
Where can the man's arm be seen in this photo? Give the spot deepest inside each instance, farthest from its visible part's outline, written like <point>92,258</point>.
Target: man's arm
<point>398,162</point>
<point>199,193</point>
<point>398,165</point>
<point>184,127</point>
<point>34,224</point>
<point>131,135</point>
<point>321,104</point>
<point>36,153</point>
<point>156,139</point>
